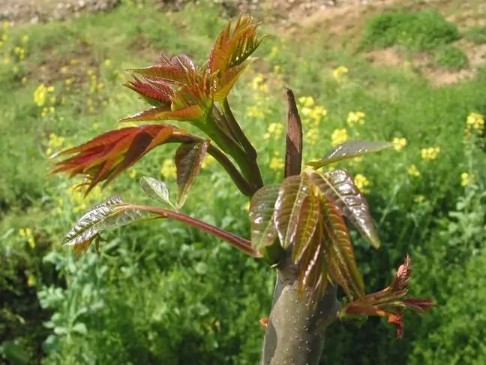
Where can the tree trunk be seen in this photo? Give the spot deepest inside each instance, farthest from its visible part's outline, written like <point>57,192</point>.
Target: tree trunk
<point>296,328</point>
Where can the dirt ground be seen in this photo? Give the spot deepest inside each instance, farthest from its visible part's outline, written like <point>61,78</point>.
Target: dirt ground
<point>296,18</point>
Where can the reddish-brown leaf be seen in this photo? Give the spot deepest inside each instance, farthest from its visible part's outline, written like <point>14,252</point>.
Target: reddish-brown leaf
<point>106,156</point>
<point>189,158</point>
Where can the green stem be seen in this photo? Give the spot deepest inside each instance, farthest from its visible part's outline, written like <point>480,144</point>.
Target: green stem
<point>236,241</point>
<point>248,168</point>
<point>245,143</point>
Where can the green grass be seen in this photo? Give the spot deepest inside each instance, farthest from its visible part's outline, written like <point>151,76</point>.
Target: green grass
<point>161,293</point>
<point>475,34</point>
<point>416,31</point>
<point>451,57</point>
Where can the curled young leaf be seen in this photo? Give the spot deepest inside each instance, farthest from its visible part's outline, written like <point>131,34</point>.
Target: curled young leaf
<point>349,149</point>
<point>338,251</point>
<point>391,301</point>
<point>339,187</point>
<point>288,208</point>
<point>189,158</point>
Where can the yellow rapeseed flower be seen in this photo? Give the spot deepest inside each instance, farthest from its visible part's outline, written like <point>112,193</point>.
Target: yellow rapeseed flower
<point>355,118</point>
<point>474,122</point>
<point>28,235</point>
<point>412,170</point>
<point>361,183</point>
<point>274,130</point>
<point>467,179</point>
<point>132,174</point>
<point>339,136</point>
<point>430,153</point>
<point>277,163</point>
<point>399,143</point>
<point>312,136</point>
<point>40,95</point>
<point>339,73</point>
<point>107,63</point>
<point>306,101</point>
<point>168,169</point>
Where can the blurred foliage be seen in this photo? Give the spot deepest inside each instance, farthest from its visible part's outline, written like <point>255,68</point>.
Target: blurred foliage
<point>164,294</point>
<point>475,34</point>
<point>451,58</point>
<point>416,31</point>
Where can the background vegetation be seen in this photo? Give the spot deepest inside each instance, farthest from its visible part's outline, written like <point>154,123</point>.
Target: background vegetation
<point>164,294</point>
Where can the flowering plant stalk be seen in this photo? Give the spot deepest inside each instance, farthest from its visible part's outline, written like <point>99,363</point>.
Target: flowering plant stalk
<point>297,225</point>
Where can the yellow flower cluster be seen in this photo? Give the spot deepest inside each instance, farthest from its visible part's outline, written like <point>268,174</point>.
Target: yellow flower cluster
<point>277,163</point>
<point>339,136</point>
<point>168,169</point>
<point>467,179</point>
<point>340,73</point>
<point>399,143</point>
<point>40,94</point>
<point>430,153</point>
<point>94,84</point>
<point>474,123</point>
<point>77,198</point>
<point>311,114</point>
<point>258,84</point>
<point>54,143</point>
<point>19,52</point>
<point>26,233</point>
<point>362,183</point>
<point>274,130</point>
<point>412,170</point>
<point>355,118</point>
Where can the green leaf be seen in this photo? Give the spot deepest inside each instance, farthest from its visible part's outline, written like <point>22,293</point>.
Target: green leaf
<point>86,227</point>
<point>262,207</point>
<point>188,159</point>
<point>156,189</point>
<point>338,251</point>
<point>109,214</point>
<point>349,150</point>
<point>289,208</point>
<point>339,187</point>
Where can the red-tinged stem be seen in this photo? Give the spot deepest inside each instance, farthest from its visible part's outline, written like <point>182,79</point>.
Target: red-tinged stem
<point>236,241</point>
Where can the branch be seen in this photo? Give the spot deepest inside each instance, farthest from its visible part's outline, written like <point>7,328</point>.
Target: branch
<point>238,242</point>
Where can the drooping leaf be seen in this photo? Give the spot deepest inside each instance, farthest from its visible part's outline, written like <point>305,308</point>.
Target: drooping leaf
<point>262,207</point>
<point>87,226</point>
<point>339,187</point>
<point>188,159</point>
<point>110,214</point>
<point>106,156</point>
<point>155,189</point>
<point>349,149</point>
<point>338,251</point>
<point>288,206</point>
